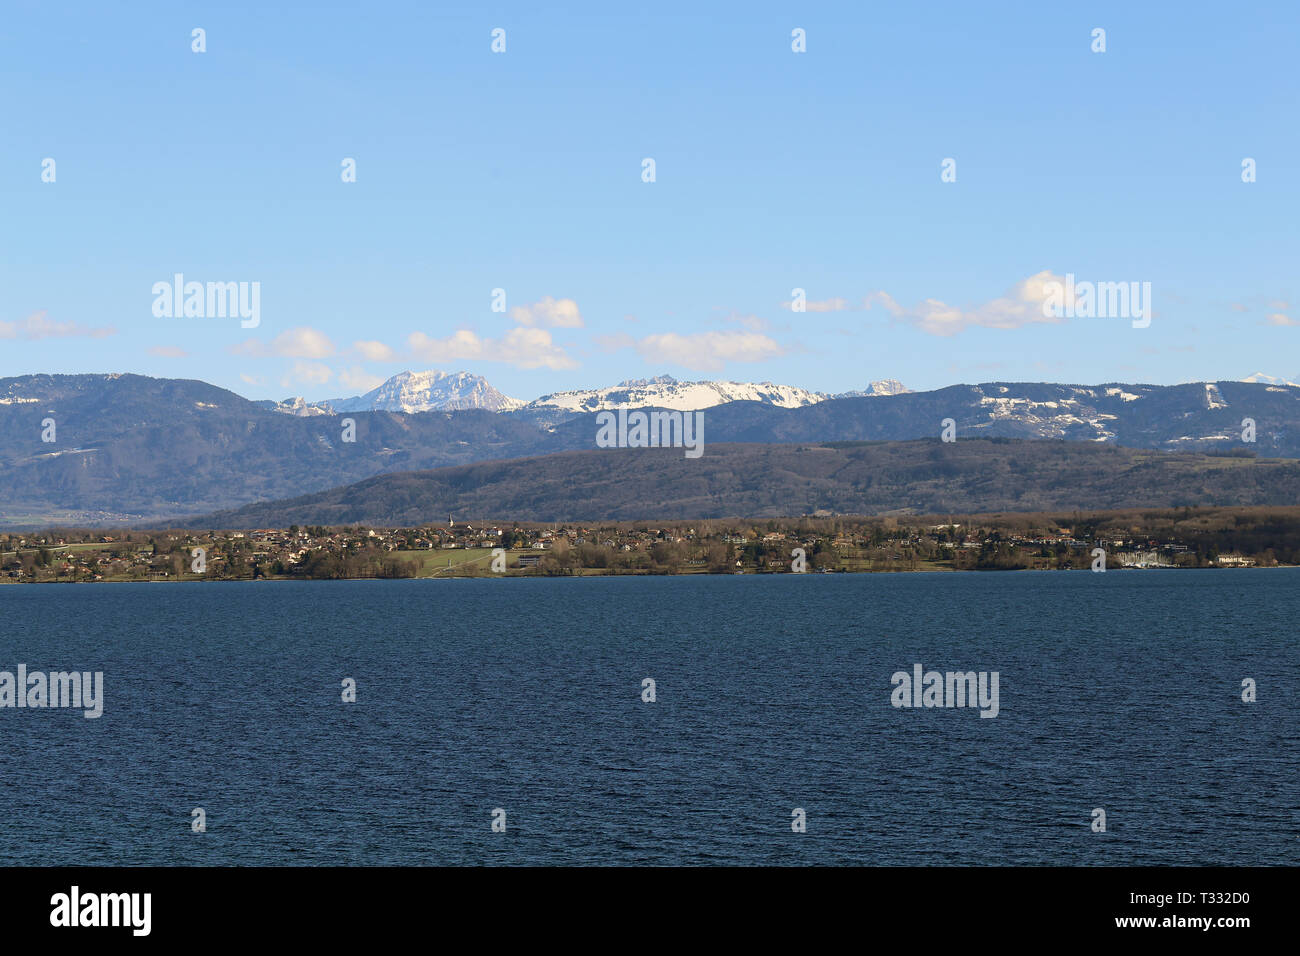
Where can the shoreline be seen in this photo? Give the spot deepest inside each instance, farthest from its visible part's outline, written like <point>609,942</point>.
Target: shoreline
<point>199,579</point>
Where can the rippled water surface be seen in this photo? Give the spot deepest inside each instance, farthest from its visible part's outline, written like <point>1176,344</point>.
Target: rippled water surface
<point>1119,691</point>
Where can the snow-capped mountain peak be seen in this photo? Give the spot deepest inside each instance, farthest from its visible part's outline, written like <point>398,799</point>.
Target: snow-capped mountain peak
<point>412,392</point>
<point>886,386</point>
<point>1259,378</point>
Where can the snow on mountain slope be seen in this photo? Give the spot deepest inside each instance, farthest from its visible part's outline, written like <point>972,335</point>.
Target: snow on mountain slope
<point>1259,378</point>
<point>298,406</point>
<point>888,386</point>
<point>425,391</point>
<point>412,392</point>
<point>664,391</point>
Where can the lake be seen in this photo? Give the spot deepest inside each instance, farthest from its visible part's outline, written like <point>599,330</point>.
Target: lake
<point>1119,691</point>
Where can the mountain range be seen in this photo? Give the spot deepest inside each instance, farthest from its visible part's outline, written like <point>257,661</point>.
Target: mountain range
<point>414,392</point>
<point>133,449</point>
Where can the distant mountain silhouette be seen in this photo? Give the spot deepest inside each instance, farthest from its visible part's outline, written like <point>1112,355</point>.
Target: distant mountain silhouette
<point>130,447</point>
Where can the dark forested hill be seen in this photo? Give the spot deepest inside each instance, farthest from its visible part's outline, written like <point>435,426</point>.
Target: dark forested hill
<point>925,477</point>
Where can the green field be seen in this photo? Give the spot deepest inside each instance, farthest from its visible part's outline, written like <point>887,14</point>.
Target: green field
<point>56,549</point>
<point>433,563</point>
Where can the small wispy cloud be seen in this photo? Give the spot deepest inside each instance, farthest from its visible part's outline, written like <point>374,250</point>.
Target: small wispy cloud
<point>748,321</point>
<point>359,379</point>
<point>521,347</point>
<point>821,305</point>
<point>708,351</point>
<point>372,351</point>
<point>38,326</point>
<point>550,313</point>
<point>168,351</point>
<point>306,373</point>
<point>302,342</point>
<point>1021,306</point>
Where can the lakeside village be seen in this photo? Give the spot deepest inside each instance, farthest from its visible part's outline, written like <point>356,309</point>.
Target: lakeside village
<point>1179,538</point>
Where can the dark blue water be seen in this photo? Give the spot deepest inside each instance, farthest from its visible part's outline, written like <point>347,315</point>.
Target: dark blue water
<point>1118,690</point>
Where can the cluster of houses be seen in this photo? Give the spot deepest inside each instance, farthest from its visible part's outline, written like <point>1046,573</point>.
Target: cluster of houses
<point>838,544</point>
<point>92,556</point>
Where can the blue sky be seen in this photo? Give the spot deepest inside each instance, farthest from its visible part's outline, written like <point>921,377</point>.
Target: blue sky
<point>774,170</point>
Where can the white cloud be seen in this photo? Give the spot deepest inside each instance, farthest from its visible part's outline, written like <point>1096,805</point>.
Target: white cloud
<point>302,342</point>
<point>307,373</point>
<point>372,351</point>
<point>1280,318</point>
<point>708,351</point>
<point>1021,306</point>
<point>37,326</point>
<point>520,347</point>
<point>821,305</point>
<point>359,379</point>
<point>549,313</point>
<point>752,322</point>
